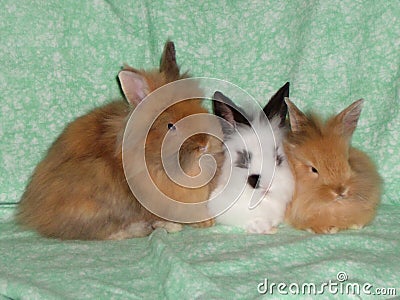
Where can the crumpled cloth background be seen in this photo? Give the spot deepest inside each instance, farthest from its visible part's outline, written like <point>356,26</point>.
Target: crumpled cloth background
<point>59,59</point>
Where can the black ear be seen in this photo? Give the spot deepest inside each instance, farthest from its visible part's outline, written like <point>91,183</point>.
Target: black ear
<point>225,108</point>
<point>276,106</point>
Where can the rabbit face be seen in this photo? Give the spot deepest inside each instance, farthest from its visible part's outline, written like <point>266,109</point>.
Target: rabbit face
<point>256,182</point>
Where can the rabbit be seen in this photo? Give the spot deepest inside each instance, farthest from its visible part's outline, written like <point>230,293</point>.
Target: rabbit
<point>337,186</point>
<point>79,190</point>
<point>252,166</point>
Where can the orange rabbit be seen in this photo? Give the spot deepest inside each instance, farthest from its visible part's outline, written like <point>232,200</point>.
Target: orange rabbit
<point>337,186</point>
<point>79,190</point>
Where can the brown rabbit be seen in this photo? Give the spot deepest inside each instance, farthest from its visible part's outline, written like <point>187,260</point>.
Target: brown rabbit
<point>79,190</point>
<point>337,187</point>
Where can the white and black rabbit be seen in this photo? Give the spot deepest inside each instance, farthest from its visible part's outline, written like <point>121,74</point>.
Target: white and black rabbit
<point>255,170</point>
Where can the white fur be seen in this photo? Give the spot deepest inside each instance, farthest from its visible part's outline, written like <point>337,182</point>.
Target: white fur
<point>170,227</point>
<point>139,229</point>
<point>261,142</point>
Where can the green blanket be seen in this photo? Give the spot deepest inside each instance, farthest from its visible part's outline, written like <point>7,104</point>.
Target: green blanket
<point>59,59</point>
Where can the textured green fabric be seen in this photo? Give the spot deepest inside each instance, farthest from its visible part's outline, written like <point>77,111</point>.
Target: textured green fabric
<point>214,263</point>
<point>60,58</point>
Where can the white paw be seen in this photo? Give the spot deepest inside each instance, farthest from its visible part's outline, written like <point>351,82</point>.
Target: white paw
<point>356,227</point>
<point>260,226</point>
<point>168,226</point>
<point>324,230</point>
<point>332,230</point>
<point>140,229</point>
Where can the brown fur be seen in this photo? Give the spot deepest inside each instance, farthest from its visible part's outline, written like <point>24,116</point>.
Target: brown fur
<point>189,154</point>
<point>347,188</point>
<point>79,190</point>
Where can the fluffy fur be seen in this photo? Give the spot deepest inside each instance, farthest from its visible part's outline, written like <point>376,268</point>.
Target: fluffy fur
<point>257,156</point>
<point>337,186</point>
<point>79,190</point>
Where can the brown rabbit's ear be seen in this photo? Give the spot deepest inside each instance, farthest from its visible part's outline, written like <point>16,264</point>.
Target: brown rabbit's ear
<point>168,63</point>
<point>133,85</point>
<point>297,118</point>
<point>346,122</point>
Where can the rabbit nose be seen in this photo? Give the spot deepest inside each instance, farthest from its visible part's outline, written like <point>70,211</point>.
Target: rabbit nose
<point>254,181</point>
<point>203,148</point>
<point>200,142</point>
<point>341,191</point>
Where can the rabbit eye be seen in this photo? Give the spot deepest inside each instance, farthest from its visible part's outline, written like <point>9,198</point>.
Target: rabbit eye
<point>314,170</point>
<point>171,126</point>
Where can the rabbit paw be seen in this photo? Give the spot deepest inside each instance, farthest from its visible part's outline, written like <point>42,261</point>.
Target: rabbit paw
<point>170,227</point>
<point>356,226</point>
<point>260,226</point>
<point>204,224</point>
<point>324,230</point>
<point>331,230</point>
<point>140,229</point>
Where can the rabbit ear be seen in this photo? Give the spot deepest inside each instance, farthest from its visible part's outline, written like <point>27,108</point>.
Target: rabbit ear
<point>346,121</point>
<point>225,108</point>
<point>277,106</point>
<point>133,85</point>
<point>297,119</point>
<point>168,63</point>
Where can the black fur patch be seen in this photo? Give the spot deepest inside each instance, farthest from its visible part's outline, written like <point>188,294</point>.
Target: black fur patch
<point>243,160</point>
<point>254,181</point>
<point>279,159</point>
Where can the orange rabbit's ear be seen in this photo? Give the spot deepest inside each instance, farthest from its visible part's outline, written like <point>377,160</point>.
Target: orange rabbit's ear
<point>133,85</point>
<point>346,122</point>
<point>298,120</point>
<point>168,63</point>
